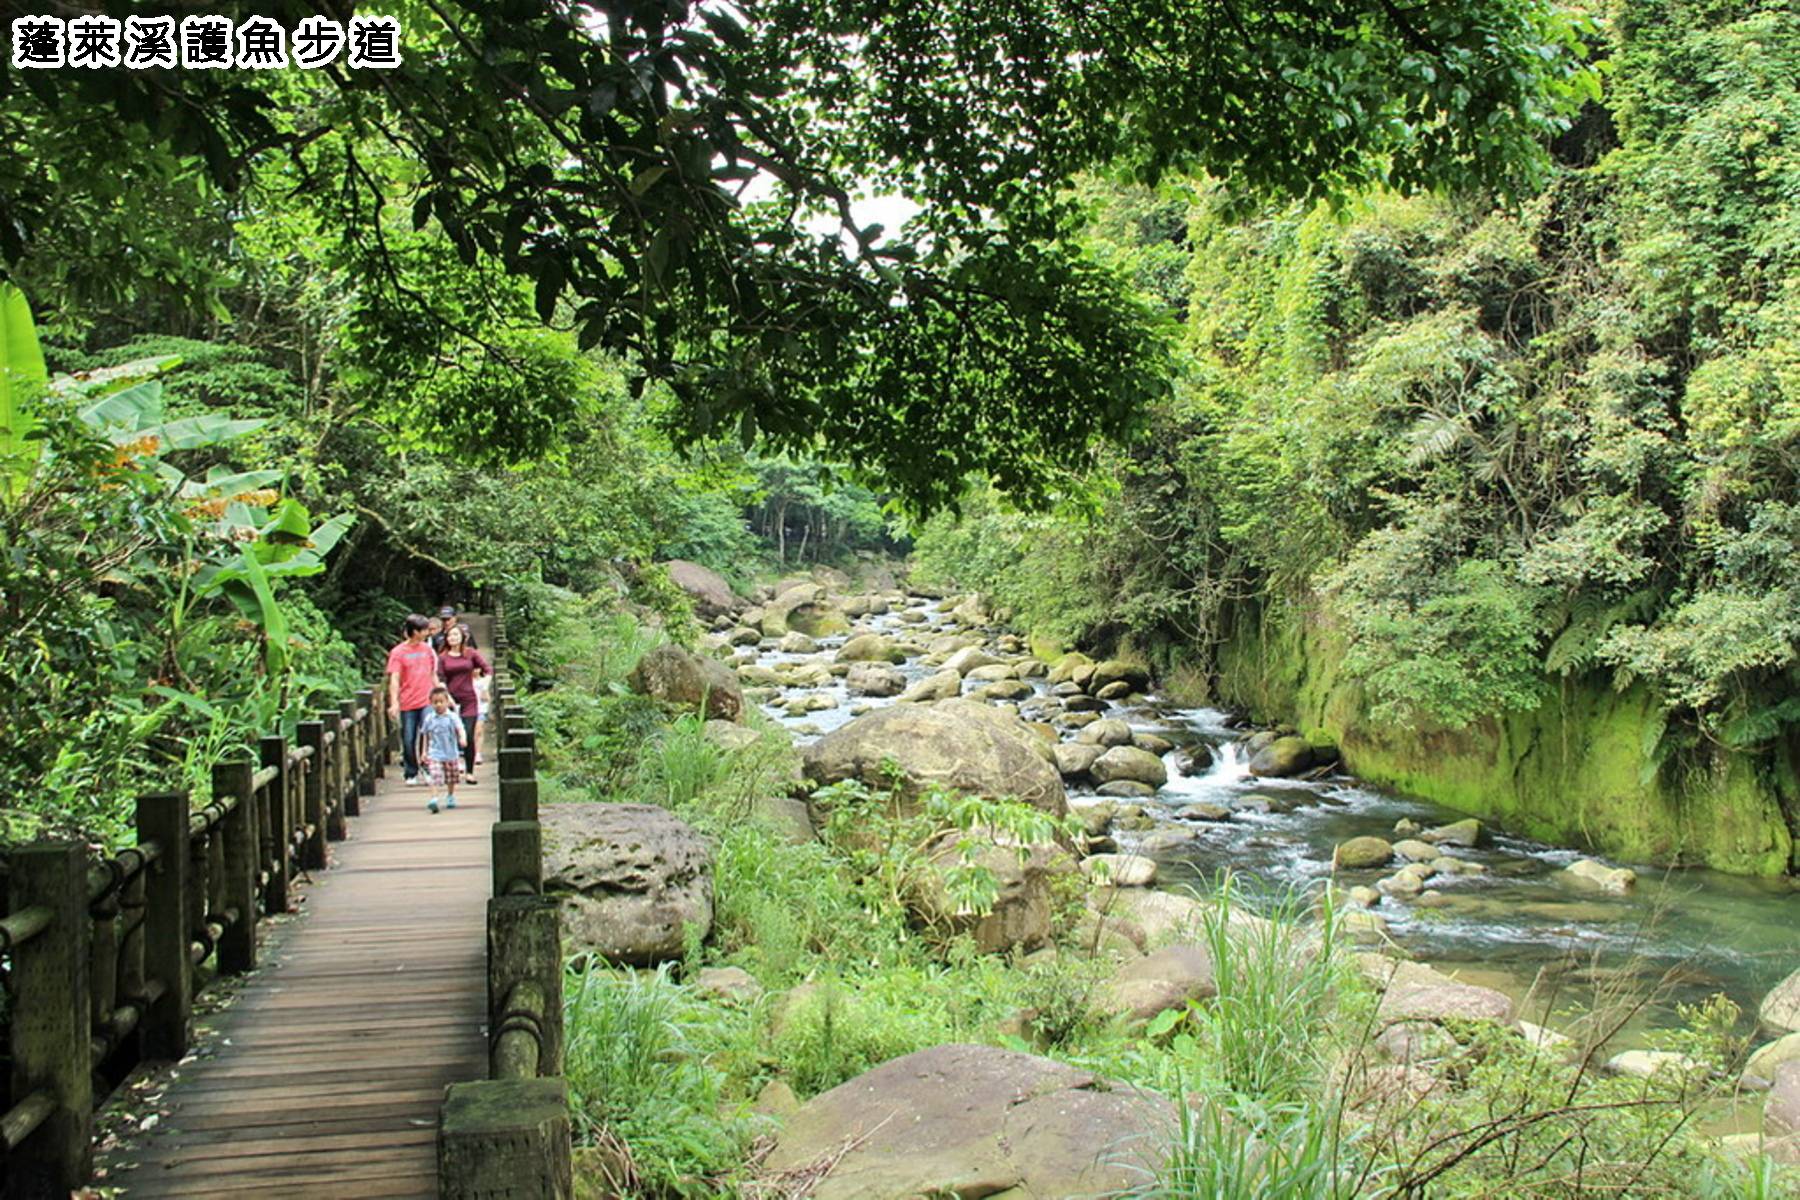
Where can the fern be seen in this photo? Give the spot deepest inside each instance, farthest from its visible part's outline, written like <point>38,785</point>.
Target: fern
<point>1588,620</point>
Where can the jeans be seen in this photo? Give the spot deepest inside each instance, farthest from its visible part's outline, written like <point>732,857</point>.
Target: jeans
<point>469,744</point>
<point>410,719</point>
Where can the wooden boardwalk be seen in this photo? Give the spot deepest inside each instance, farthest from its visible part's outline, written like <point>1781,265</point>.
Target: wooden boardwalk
<point>323,1074</point>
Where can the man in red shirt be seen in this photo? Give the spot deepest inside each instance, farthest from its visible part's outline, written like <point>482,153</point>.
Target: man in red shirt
<point>412,672</point>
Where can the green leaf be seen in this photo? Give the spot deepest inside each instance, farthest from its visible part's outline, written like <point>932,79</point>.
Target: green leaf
<point>22,379</point>
<point>193,433</point>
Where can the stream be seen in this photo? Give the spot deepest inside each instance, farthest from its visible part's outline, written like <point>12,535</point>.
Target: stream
<point>1520,927</point>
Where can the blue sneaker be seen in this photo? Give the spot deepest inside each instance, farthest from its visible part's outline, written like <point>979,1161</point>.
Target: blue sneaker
<point>450,802</point>
<point>431,804</point>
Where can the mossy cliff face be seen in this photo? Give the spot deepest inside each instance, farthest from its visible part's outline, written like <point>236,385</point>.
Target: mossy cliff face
<point>1574,770</point>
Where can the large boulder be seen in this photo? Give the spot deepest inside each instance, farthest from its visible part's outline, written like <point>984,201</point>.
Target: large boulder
<point>1282,757</point>
<point>1024,911</point>
<point>1118,670</point>
<point>869,647</point>
<point>969,1120</point>
<point>711,595</point>
<point>1780,1009</point>
<point>1129,763</point>
<point>1169,978</point>
<point>874,679</point>
<point>687,682</point>
<point>630,878</point>
<point>804,607</point>
<point>956,744</point>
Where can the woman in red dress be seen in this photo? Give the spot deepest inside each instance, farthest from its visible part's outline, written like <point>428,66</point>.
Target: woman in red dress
<point>459,666</point>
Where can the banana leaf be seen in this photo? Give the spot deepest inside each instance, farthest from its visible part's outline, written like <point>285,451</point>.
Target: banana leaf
<point>22,380</point>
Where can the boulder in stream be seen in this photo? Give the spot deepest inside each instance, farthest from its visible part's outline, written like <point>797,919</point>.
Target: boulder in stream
<point>1283,757</point>
<point>1118,670</point>
<point>956,744</point>
<point>874,679</point>
<point>1108,731</point>
<point>968,658</point>
<point>974,1121</point>
<point>869,647</point>
<point>1590,874</point>
<point>1074,758</point>
<point>942,686</point>
<point>1362,853</point>
<point>1130,763</point>
<point>1468,833</point>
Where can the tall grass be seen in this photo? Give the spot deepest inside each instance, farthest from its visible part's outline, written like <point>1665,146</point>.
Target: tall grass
<point>1253,1151</point>
<point>646,1062</point>
<point>1279,981</point>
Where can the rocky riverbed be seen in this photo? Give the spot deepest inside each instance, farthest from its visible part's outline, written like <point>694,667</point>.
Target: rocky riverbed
<point>1170,797</point>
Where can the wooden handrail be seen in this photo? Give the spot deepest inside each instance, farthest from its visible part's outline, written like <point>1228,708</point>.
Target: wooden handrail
<point>514,1125</point>
<point>105,955</point>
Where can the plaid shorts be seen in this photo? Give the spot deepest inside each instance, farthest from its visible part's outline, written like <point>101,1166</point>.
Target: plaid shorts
<point>445,772</point>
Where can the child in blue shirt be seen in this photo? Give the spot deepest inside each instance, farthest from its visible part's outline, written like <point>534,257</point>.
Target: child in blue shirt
<point>440,746</point>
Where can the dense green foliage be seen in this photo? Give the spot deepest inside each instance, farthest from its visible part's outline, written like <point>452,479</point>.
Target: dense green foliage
<point>590,167</point>
<point>1485,447</point>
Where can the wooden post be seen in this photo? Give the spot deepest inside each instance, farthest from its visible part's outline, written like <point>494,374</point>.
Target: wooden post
<point>505,1138</point>
<point>525,947</point>
<point>352,758</point>
<point>367,743</point>
<point>162,817</point>
<point>312,795</point>
<point>237,944</point>
<point>332,779</point>
<point>518,856</point>
<point>518,797</point>
<point>275,827</point>
<point>50,1033</point>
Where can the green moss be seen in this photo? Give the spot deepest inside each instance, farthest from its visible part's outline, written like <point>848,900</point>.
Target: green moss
<point>1573,770</point>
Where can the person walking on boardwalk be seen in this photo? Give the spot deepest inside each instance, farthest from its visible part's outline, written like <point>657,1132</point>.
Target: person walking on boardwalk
<point>411,671</point>
<point>441,745</point>
<point>446,619</point>
<point>461,668</point>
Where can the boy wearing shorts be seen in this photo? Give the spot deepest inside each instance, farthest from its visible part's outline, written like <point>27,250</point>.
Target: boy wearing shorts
<point>440,745</point>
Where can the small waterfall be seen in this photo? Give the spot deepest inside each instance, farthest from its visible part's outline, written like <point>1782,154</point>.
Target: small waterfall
<point>1230,764</point>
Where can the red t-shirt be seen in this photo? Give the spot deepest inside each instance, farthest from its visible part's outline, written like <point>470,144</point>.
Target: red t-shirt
<point>416,664</point>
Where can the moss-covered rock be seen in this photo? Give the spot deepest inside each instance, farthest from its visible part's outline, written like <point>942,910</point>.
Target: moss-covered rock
<point>1573,770</point>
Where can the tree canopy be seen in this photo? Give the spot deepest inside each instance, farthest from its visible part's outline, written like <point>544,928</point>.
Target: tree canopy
<point>652,176</point>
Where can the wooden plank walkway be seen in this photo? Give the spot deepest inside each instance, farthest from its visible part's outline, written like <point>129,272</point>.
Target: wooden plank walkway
<point>323,1073</point>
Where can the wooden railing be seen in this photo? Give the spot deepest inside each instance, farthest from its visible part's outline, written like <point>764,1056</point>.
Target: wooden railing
<point>509,1135</point>
<point>105,957</point>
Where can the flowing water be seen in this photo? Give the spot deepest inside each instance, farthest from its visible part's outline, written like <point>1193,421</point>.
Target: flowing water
<point>1522,926</point>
